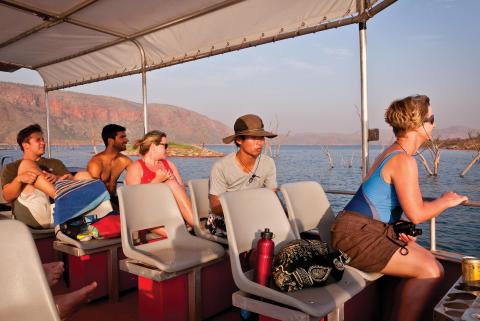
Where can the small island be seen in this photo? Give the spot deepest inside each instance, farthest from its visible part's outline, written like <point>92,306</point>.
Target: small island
<point>182,150</point>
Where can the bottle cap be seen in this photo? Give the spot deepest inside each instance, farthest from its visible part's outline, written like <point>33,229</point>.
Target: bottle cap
<point>267,234</point>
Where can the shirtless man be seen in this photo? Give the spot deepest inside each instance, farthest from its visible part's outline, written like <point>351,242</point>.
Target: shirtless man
<point>109,164</point>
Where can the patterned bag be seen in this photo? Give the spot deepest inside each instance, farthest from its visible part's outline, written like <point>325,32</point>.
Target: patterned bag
<point>307,263</point>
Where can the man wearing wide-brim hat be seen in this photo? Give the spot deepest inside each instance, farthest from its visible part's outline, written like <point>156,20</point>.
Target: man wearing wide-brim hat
<point>247,168</point>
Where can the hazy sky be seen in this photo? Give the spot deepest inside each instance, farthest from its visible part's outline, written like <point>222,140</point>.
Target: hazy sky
<point>312,83</point>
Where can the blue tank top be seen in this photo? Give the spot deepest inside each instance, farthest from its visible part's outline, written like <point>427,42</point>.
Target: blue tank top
<point>377,199</point>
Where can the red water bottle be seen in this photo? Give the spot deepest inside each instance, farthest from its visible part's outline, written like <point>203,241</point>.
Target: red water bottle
<point>264,257</point>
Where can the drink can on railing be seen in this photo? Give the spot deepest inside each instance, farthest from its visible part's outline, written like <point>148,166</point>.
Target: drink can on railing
<point>470,269</point>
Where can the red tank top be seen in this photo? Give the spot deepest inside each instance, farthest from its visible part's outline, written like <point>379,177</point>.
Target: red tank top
<point>149,175</point>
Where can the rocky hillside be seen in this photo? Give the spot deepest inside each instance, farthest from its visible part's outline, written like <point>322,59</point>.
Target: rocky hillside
<point>78,118</point>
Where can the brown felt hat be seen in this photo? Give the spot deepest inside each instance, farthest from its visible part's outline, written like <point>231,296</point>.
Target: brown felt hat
<point>248,125</point>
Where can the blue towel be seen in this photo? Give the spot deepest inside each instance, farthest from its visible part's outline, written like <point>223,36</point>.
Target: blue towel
<point>74,198</point>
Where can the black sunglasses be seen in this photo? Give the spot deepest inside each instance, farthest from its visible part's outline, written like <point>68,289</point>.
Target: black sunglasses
<point>166,145</point>
<point>430,119</point>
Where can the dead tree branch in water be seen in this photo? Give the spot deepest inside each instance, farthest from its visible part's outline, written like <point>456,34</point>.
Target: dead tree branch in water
<point>434,150</point>
<point>275,152</point>
<point>328,155</point>
<point>425,164</point>
<point>475,159</point>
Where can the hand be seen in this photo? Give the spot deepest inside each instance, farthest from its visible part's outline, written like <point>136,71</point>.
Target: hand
<point>27,177</point>
<point>406,238</point>
<point>453,199</point>
<point>49,177</point>
<point>66,176</point>
<point>163,176</point>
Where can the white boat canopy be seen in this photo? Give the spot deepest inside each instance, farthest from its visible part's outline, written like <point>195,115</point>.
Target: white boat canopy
<point>73,42</point>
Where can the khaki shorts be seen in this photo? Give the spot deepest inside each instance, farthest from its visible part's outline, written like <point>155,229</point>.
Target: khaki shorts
<point>370,243</point>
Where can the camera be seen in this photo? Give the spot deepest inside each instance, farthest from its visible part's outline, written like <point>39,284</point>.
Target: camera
<point>407,228</point>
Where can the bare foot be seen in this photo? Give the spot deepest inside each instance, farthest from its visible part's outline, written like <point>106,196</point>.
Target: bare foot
<point>53,272</point>
<point>68,303</point>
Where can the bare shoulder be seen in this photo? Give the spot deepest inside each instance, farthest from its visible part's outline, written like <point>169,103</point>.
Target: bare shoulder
<point>133,165</point>
<point>402,165</point>
<point>171,164</point>
<point>125,160</point>
<point>96,160</point>
<point>405,159</point>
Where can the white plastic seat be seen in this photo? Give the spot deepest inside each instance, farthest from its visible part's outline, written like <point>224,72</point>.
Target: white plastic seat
<point>25,291</point>
<point>308,208</point>
<point>247,213</point>
<point>151,205</point>
<point>201,206</point>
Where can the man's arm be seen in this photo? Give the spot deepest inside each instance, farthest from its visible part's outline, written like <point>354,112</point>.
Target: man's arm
<point>271,177</point>
<point>12,190</point>
<point>94,167</point>
<point>217,186</point>
<point>215,205</point>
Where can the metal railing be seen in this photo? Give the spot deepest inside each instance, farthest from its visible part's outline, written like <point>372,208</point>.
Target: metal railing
<point>433,234</point>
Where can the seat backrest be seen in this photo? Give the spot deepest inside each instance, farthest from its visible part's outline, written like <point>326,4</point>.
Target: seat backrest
<point>147,206</point>
<point>247,213</point>
<point>25,291</point>
<point>200,204</point>
<point>308,208</point>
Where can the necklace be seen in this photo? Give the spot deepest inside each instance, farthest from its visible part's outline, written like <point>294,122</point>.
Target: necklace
<point>396,142</point>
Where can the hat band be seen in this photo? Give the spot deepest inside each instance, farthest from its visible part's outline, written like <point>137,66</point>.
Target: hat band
<point>246,131</point>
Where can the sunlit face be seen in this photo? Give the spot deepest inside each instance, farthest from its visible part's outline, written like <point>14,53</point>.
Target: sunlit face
<point>427,125</point>
<point>252,145</point>
<point>120,142</point>
<point>159,151</point>
<point>35,144</point>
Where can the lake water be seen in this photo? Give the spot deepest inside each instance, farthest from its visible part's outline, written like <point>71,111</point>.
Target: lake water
<point>458,229</point>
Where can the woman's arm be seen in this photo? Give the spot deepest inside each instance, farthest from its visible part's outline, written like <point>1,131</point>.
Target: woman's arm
<point>404,176</point>
<point>134,174</point>
<point>175,172</point>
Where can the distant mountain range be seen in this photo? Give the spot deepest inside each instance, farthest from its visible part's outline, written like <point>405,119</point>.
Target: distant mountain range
<point>78,118</point>
<point>386,136</point>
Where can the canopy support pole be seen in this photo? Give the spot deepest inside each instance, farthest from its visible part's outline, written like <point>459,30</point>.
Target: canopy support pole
<point>364,101</point>
<point>144,94</point>
<point>47,109</point>
<point>144,85</point>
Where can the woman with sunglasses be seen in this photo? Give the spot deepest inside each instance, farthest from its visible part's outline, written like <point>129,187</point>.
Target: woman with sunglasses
<point>153,167</point>
<point>364,229</point>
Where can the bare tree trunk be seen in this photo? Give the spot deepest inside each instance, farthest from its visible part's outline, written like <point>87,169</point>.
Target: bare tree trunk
<point>474,160</point>
<point>425,164</point>
<point>268,149</point>
<point>434,150</point>
<point>351,161</point>
<point>329,156</point>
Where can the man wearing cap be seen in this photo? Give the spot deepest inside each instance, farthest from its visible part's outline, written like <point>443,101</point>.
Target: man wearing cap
<point>247,168</point>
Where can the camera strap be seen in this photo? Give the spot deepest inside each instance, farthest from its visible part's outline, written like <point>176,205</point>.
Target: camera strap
<point>403,245</point>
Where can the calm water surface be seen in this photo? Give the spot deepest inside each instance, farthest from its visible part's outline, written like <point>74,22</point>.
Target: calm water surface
<point>458,229</point>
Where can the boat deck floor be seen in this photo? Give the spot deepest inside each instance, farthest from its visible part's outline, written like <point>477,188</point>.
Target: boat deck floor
<point>126,310</point>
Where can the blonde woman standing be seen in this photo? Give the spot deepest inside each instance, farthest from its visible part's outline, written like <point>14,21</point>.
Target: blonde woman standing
<point>153,167</point>
<point>364,228</point>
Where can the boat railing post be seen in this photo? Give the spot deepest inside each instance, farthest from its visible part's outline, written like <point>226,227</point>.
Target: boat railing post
<point>362,27</point>
<point>47,110</point>
<point>433,236</point>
